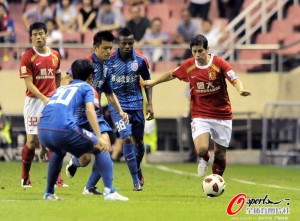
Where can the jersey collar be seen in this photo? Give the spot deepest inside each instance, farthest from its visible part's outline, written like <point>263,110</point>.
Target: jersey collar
<point>133,56</point>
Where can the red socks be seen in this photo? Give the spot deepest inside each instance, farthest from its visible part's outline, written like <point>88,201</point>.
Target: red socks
<point>27,158</point>
<point>219,166</point>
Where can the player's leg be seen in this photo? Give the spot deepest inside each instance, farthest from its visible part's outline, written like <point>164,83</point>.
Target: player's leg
<point>32,110</point>
<point>75,162</point>
<point>201,133</point>
<point>221,135</point>
<point>138,126</point>
<point>124,131</point>
<point>54,168</point>
<point>28,153</point>
<point>201,143</point>
<point>102,167</point>
<point>59,181</point>
<point>219,163</point>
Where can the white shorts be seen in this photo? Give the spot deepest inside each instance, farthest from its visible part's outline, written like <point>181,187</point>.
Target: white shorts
<point>220,130</point>
<point>33,108</point>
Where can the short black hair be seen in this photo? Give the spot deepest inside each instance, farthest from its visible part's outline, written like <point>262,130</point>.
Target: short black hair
<point>199,40</point>
<point>125,32</point>
<point>82,69</point>
<point>37,26</point>
<point>105,2</point>
<point>102,35</point>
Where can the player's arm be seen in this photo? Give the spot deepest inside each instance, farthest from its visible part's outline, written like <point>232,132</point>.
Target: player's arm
<point>93,120</point>
<point>33,89</point>
<point>240,88</point>
<point>112,98</point>
<point>149,109</point>
<point>66,80</point>
<point>163,78</point>
<point>57,80</point>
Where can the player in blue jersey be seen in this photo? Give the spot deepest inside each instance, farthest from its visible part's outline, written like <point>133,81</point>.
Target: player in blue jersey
<point>127,67</point>
<point>103,44</point>
<point>61,132</point>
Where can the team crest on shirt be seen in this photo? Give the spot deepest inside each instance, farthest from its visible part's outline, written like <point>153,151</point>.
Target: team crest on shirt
<point>23,70</point>
<point>54,61</point>
<point>212,75</point>
<point>134,65</point>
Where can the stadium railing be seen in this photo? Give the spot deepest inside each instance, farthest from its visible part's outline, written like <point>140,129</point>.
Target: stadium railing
<point>281,132</point>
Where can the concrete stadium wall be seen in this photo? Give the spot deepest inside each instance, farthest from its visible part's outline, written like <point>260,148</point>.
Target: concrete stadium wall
<point>169,98</point>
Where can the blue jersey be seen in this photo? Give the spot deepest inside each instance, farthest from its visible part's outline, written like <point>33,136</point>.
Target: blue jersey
<point>101,82</point>
<point>59,113</point>
<point>101,77</point>
<point>125,79</point>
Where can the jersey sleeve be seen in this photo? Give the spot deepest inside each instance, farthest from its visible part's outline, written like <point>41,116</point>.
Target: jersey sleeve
<point>144,70</point>
<point>228,72</point>
<point>181,72</point>
<point>90,95</point>
<point>107,87</point>
<point>25,66</point>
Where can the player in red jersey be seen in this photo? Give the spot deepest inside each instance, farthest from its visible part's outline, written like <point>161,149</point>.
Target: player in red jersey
<point>40,69</point>
<point>210,105</point>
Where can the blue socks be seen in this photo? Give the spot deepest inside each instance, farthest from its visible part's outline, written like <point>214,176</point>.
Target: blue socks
<point>129,154</point>
<point>102,167</point>
<point>54,168</point>
<point>75,162</point>
<point>139,153</point>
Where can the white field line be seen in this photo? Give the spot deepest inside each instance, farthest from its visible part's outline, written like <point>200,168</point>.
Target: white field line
<point>167,169</point>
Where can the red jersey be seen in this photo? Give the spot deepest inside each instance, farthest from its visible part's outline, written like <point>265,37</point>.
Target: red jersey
<point>43,68</point>
<point>209,96</point>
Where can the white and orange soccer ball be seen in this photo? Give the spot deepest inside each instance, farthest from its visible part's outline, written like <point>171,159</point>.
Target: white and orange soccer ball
<point>213,185</point>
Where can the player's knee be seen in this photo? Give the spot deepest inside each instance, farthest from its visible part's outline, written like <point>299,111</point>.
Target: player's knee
<point>201,150</point>
<point>84,160</point>
<point>127,140</point>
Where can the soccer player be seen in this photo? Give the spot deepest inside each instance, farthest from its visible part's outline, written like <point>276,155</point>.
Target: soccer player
<point>61,133</point>
<point>40,69</point>
<point>103,44</point>
<point>126,67</point>
<point>210,104</point>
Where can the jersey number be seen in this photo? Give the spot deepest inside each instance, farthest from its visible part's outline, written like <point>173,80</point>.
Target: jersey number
<point>120,125</point>
<point>64,95</point>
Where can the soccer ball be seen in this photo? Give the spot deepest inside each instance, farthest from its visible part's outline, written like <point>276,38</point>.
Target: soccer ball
<point>213,185</point>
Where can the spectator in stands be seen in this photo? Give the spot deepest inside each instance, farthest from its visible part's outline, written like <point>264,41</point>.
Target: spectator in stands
<point>40,13</point>
<point>87,17</point>
<point>138,24</point>
<point>66,16</point>
<point>229,8</point>
<point>109,18</point>
<point>156,38</point>
<point>213,33</point>
<point>137,2</point>
<point>186,29</point>
<point>199,8</point>
<point>5,3</point>
<point>5,138</point>
<point>7,30</point>
<point>55,37</point>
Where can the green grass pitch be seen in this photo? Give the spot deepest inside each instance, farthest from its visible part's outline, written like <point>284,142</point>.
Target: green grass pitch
<point>172,192</point>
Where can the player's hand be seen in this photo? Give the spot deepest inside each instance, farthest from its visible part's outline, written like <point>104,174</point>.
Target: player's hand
<point>45,100</point>
<point>103,144</point>
<point>124,116</point>
<point>148,83</point>
<point>150,114</point>
<point>245,93</point>
<point>43,154</point>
